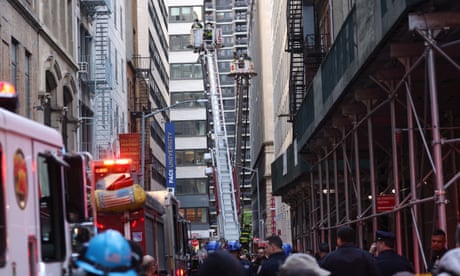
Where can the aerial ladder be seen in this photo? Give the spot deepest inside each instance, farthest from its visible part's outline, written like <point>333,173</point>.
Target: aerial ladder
<point>206,41</point>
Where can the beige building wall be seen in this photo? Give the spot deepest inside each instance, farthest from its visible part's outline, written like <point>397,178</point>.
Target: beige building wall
<point>282,129</point>
<point>269,99</point>
<point>39,46</point>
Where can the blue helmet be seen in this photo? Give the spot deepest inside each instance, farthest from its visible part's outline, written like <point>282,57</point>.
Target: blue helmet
<point>212,246</point>
<point>287,249</point>
<point>108,253</point>
<point>233,246</point>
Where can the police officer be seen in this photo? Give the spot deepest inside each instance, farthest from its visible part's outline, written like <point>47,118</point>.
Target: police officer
<point>388,261</point>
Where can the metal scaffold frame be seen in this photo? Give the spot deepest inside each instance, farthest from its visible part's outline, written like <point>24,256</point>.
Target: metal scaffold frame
<point>396,130</point>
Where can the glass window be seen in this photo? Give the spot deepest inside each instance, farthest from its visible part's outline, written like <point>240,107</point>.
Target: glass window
<point>174,13</point>
<point>229,116</point>
<point>186,71</point>
<point>225,54</point>
<point>176,71</point>
<point>187,96</point>
<point>190,128</point>
<point>224,16</point>
<point>227,41</point>
<point>226,29</point>
<point>195,215</point>
<point>226,79</point>
<point>230,129</point>
<point>51,210</point>
<point>179,42</point>
<point>185,14</point>
<point>229,103</point>
<point>224,66</point>
<point>14,61</point>
<point>191,186</point>
<point>190,157</point>
<point>197,74</point>
<point>227,92</point>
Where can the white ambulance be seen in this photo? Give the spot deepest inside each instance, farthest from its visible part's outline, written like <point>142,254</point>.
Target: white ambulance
<point>42,190</point>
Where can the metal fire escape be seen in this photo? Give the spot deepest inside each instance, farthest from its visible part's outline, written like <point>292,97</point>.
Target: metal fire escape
<point>295,46</point>
<point>101,78</point>
<point>228,223</point>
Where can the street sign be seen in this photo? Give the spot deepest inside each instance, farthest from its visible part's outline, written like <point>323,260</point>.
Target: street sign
<point>385,203</point>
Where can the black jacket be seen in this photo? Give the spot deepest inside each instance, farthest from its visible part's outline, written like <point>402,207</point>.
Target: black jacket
<point>271,266</point>
<point>350,260</point>
<point>389,262</point>
<point>435,257</point>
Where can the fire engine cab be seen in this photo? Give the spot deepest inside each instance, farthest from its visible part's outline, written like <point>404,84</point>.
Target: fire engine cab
<point>42,190</point>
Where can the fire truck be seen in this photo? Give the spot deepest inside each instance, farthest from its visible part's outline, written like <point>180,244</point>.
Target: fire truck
<point>150,218</point>
<point>42,191</point>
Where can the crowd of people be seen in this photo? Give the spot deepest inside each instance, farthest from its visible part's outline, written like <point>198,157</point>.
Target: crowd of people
<point>277,258</point>
<point>109,253</point>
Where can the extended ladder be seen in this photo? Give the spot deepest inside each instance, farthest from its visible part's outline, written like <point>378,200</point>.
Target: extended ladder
<point>228,223</point>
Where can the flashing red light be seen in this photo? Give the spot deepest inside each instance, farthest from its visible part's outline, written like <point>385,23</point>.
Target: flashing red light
<point>8,96</point>
<point>7,89</point>
<point>180,272</point>
<point>124,161</point>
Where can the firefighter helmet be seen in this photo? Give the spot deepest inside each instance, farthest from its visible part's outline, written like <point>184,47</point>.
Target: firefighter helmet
<point>287,249</point>
<point>212,246</point>
<point>108,253</point>
<point>233,246</point>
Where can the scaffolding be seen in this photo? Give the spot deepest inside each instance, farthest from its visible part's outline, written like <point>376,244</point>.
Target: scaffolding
<point>392,135</point>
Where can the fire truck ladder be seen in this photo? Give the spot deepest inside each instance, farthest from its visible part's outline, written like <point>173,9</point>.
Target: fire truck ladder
<point>228,224</point>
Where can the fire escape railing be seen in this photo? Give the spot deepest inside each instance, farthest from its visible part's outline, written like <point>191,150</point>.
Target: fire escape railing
<point>295,47</point>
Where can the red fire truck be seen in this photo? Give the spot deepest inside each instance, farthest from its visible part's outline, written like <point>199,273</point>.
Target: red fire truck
<point>150,218</point>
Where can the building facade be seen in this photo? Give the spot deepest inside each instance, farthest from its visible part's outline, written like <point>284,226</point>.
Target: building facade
<point>373,122</point>
<point>148,67</point>
<point>190,120</point>
<point>103,77</point>
<point>268,100</point>
<point>39,56</point>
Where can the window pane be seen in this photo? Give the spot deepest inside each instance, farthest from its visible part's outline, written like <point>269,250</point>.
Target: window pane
<point>190,215</point>
<point>176,71</point>
<point>191,186</point>
<point>202,215</point>
<point>197,71</point>
<point>189,157</point>
<point>187,71</point>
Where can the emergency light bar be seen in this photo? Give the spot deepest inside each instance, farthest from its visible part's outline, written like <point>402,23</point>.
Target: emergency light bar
<point>7,89</point>
<point>109,162</point>
<point>8,96</point>
<point>108,166</point>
